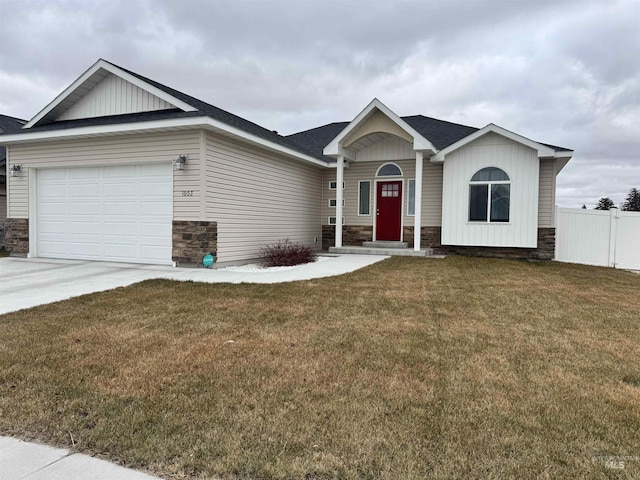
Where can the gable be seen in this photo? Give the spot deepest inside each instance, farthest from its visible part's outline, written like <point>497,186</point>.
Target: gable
<point>376,123</point>
<point>114,96</point>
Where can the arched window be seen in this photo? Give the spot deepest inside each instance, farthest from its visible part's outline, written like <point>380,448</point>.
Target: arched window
<point>489,193</point>
<point>389,170</point>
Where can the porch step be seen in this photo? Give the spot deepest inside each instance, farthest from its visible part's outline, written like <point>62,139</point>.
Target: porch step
<point>385,244</point>
<point>404,252</point>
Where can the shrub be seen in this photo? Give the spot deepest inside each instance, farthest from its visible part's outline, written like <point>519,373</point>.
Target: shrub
<point>285,253</point>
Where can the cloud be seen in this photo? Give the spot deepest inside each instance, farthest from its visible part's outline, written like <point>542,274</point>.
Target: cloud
<point>562,72</point>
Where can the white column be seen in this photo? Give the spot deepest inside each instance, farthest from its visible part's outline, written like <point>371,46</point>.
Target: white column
<point>339,197</point>
<point>418,203</point>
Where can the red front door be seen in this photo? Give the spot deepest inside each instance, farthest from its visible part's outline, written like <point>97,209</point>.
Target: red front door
<point>389,210</point>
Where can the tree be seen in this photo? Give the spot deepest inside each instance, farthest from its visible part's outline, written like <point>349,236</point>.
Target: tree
<point>584,207</point>
<point>632,202</point>
<point>605,203</point>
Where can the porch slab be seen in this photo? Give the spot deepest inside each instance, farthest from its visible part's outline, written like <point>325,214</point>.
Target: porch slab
<point>385,244</point>
<point>401,252</point>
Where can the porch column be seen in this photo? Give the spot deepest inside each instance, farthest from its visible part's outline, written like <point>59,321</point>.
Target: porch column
<point>418,203</point>
<point>339,197</point>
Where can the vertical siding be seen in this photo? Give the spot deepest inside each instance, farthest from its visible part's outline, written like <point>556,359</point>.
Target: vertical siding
<point>114,96</point>
<point>258,197</point>
<point>357,171</point>
<point>546,193</point>
<point>521,164</point>
<point>115,150</point>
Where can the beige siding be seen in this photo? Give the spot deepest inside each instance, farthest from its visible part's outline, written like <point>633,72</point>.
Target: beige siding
<point>431,192</point>
<point>522,165</point>
<point>377,122</point>
<point>259,197</point>
<point>115,150</point>
<point>389,148</point>
<point>547,190</point>
<point>114,96</point>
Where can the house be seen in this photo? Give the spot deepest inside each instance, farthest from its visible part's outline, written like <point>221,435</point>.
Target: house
<point>119,167</point>
<point>7,124</point>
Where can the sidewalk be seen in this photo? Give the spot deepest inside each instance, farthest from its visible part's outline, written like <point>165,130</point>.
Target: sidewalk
<point>23,460</point>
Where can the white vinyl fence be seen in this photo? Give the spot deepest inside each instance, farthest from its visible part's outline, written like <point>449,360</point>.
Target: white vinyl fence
<point>598,237</point>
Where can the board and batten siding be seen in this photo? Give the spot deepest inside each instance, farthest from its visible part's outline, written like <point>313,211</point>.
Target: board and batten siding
<point>522,165</point>
<point>366,171</point>
<point>257,197</point>
<point>114,150</point>
<point>114,96</point>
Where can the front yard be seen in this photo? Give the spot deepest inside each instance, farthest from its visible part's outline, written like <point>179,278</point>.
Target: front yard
<point>411,368</point>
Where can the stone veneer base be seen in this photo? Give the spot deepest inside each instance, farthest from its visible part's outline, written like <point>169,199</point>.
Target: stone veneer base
<point>353,235</point>
<point>192,240</point>
<point>16,236</point>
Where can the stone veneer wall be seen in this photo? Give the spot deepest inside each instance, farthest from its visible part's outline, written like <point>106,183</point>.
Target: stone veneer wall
<point>192,240</point>
<point>16,237</point>
<point>352,235</point>
<point>544,251</point>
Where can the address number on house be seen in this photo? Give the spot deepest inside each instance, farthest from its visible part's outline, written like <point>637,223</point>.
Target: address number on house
<point>186,193</point>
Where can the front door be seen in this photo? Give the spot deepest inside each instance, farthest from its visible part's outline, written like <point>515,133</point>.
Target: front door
<point>389,211</point>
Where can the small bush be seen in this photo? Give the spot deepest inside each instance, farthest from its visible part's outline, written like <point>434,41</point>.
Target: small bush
<point>285,253</point>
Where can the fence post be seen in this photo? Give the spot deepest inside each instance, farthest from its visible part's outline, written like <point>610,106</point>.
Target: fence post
<point>613,230</point>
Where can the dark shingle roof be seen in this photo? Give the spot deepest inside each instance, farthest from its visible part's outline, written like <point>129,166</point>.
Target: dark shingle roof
<point>7,125</point>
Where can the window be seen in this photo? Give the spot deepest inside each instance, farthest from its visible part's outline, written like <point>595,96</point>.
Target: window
<point>333,202</point>
<point>364,198</point>
<point>332,220</point>
<point>332,185</point>
<point>389,170</point>
<point>489,194</point>
<point>390,190</point>
<point>411,200</point>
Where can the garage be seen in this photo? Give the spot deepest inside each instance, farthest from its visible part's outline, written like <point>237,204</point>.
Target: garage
<point>120,213</point>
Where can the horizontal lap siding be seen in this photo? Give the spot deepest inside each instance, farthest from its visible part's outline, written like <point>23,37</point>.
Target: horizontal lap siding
<point>257,197</point>
<point>546,194</point>
<point>431,191</point>
<point>116,150</point>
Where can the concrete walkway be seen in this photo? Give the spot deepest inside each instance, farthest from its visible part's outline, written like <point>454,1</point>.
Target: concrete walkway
<point>23,460</point>
<point>28,282</point>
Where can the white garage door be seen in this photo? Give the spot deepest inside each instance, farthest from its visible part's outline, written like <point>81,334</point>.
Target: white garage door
<point>115,213</point>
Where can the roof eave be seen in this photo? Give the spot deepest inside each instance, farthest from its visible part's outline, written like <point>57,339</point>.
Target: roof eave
<point>140,127</point>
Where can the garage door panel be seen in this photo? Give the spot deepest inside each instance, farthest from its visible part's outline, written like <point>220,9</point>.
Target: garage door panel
<point>115,213</point>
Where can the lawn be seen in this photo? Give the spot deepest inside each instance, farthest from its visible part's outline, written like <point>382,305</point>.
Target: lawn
<point>411,368</point>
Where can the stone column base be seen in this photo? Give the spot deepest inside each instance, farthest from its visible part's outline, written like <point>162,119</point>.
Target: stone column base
<point>16,236</point>
<point>192,240</point>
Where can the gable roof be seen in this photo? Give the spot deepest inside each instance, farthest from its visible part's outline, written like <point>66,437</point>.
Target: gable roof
<point>440,133</point>
<point>7,125</point>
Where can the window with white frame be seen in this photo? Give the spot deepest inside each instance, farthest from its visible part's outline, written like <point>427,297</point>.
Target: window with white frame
<point>333,202</point>
<point>489,196</point>
<point>332,185</point>
<point>411,198</point>
<point>364,197</point>
<point>332,220</point>
<point>389,170</point>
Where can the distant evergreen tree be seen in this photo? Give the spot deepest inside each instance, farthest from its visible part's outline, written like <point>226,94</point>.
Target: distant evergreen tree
<point>632,202</point>
<point>584,207</point>
<point>605,203</point>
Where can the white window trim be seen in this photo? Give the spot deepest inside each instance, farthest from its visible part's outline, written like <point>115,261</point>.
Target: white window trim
<point>335,184</point>
<point>334,223</point>
<point>389,176</point>
<point>409,214</point>
<point>370,202</point>
<point>489,183</point>
<point>335,201</point>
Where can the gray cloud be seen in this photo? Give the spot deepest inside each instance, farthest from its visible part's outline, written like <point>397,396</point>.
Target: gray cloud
<point>563,72</point>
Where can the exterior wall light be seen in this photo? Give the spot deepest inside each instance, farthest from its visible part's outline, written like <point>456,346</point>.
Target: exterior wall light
<point>178,163</point>
<point>15,170</point>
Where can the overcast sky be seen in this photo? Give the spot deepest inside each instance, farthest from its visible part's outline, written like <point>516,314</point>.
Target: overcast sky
<point>563,72</point>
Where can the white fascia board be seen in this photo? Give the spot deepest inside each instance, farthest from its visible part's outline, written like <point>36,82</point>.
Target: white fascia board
<point>101,64</point>
<point>543,150</point>
<point>203,122</point>
<point>419,142</point>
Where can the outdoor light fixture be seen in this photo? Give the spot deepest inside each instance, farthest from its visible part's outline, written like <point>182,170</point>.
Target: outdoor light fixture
<point>15,170</point>
<point>178,163</point>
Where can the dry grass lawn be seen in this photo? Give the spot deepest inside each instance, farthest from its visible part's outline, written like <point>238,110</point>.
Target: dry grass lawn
<point>412,368</point>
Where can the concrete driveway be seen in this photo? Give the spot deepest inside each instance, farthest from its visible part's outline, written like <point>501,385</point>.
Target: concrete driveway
<point>28,282</point>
